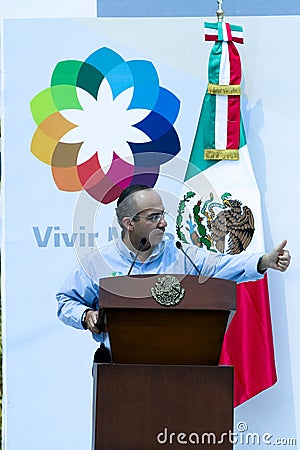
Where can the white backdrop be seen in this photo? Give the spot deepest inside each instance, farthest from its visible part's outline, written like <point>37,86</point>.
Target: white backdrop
<point>47,366</point>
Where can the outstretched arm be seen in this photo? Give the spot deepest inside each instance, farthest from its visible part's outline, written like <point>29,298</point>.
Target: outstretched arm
<point>278,259</point>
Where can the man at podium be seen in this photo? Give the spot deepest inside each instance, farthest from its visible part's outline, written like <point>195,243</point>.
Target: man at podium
<point>143,249</point>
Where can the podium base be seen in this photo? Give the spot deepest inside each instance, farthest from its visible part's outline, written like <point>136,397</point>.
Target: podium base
<point>147,407</point>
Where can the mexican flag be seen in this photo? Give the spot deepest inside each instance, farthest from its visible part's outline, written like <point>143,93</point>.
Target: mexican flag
<point>226,211</point>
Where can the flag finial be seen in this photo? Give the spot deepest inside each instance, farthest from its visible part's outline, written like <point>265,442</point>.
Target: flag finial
<point>220,12</point>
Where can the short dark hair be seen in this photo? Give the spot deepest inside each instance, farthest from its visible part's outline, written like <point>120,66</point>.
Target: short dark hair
<point>131,190</point>
<point>126,203</point>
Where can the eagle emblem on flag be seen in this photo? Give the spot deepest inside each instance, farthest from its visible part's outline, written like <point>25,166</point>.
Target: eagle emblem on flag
<point>226,226</point>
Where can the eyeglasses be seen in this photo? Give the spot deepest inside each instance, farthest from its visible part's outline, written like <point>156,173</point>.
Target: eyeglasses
<point>154,218</point>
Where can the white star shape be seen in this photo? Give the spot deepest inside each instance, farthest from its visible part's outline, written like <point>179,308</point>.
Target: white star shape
<point>105,125</point>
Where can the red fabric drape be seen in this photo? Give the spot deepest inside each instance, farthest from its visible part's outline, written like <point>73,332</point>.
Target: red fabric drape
<point>248,342</point>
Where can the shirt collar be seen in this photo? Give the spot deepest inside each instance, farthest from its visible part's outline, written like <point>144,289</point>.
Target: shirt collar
<point>128,254</point>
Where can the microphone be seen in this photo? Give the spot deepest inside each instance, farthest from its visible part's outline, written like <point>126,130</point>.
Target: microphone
<point>141,244</point>
<point>180,247</point>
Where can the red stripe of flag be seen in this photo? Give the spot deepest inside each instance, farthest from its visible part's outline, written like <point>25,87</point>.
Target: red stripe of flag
<point>228,29</point>
<point>248,342</point>
<point>233,118</point>
<point>238,40</point>
<point>233,122</point>
<point>210,37</point>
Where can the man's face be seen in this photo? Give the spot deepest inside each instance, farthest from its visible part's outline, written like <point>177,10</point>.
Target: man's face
<point>149,221</point>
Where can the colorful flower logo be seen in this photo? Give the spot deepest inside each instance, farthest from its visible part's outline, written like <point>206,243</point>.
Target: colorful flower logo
<point>104,124</point>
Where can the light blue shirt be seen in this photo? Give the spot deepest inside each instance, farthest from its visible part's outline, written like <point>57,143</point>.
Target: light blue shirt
<point>81,289</point>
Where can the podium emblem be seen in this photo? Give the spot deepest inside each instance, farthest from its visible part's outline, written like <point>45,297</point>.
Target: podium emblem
<point>167,291</point>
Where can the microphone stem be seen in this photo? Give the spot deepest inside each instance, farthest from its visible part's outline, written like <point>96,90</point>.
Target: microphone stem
<point>133,263</point>
<point>180,247</point>
<point>142,243</point>
<point>193,264</point>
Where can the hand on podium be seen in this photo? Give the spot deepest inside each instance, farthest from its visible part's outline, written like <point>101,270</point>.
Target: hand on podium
<point>91,320</point>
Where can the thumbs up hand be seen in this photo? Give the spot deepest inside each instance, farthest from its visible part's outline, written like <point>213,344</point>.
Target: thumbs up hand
<point>278,259</point>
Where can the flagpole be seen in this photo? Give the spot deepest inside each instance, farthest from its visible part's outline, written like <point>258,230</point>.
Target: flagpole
<point>220,12</point>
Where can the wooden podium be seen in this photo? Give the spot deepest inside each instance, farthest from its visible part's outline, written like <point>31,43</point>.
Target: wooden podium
<point>164,386</point>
